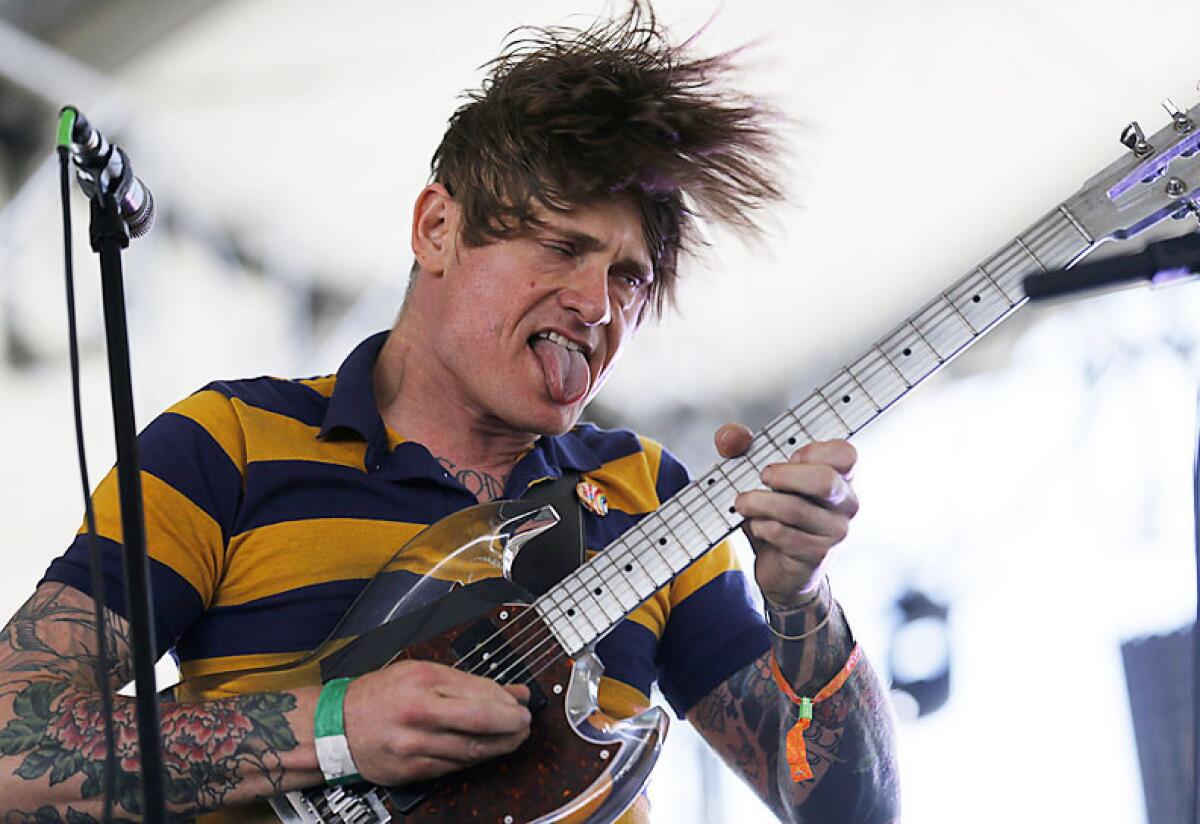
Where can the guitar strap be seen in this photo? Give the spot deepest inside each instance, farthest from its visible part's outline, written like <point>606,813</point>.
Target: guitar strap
<point>558,551</point>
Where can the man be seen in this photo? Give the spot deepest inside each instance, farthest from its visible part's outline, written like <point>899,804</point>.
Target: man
<point>562,195</point>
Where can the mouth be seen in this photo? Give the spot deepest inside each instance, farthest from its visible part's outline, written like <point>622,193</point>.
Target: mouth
<point>565,366</point>
<point>563,341</point>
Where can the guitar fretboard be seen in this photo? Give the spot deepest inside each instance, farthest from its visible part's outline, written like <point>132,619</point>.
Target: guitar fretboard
<point>591,601</point>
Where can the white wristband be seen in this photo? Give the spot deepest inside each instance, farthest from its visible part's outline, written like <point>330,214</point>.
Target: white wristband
<point>333,754</point>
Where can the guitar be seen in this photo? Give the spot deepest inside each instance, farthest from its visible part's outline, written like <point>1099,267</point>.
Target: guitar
<point>464,610</point>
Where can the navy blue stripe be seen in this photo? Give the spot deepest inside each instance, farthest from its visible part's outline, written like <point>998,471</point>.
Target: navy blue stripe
<point>295,400</point>
<point>182,454</point>
<point>278,491</point>
<point>711,635</point>
<point>176,604</point>
<point>628,654</point>
<point>294,621</point>
<point>672,476</point>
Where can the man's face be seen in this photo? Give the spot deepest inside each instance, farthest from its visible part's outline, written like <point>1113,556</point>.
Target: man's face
<point>531,326</point>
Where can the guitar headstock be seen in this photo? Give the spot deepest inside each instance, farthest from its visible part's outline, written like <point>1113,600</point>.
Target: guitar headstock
<point>1157,178</point>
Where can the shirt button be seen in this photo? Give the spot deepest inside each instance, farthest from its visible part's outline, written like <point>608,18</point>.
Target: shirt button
<point>375,466</point>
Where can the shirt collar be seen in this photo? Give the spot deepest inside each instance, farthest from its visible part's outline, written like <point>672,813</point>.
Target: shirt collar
<point>352,405</point>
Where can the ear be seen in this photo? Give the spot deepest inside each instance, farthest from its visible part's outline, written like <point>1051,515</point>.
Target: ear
<point>434,224</point>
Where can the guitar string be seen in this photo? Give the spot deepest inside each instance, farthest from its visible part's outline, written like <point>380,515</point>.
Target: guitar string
<point>945,312</point>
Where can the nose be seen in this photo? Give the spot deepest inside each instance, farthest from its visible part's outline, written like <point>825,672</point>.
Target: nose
<point>586,294</point>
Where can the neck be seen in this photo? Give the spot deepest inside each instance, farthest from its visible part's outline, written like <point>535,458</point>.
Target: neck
<point>413,402</point>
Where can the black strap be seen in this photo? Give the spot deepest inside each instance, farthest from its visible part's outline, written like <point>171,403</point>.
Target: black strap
<point>558,552</point>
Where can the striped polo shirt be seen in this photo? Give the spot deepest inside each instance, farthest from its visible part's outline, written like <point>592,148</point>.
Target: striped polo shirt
<point>271,503</point>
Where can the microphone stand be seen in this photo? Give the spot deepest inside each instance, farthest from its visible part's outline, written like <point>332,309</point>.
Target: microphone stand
<point>109,237</point>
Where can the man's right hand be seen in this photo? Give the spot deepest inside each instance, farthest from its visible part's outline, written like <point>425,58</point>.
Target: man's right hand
<point>416,720</point>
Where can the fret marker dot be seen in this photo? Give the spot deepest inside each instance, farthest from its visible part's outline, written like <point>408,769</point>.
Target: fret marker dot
<point>662,541</point>
<point>907,352</point>
<point>791,441</point>
<point>570,613</point>
<point>732,510</point>
<point>598,590</point>
<point>629,567</point>
<point>845,399</point>
<point>975,299</point>
<point>712,481</point>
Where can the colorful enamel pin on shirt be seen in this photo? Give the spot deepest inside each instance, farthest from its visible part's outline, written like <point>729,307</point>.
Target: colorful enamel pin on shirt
<point>592,497</point>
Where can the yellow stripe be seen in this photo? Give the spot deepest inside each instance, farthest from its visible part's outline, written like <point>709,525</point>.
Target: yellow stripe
<point>721,559</point>
<point>213,411</point>
<point>629,482</point>
<point>323,385</point>
<point>619,700</point>
<point>285,556</point>
<point>178,533</point>
<point>275,437</point>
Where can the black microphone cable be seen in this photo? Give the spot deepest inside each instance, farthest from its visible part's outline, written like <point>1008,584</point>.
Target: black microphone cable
<point>66,125</point>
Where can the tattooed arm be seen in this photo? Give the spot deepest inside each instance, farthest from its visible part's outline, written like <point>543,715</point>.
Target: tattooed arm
<point>52,745</point>
<point>849,746</point>
<point>409,721</point>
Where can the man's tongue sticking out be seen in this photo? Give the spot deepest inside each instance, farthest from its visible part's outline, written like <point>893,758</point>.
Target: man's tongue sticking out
<point>565,370</point>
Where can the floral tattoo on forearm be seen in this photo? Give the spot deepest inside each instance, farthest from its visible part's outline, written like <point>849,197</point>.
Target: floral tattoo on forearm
<point>55,730</point>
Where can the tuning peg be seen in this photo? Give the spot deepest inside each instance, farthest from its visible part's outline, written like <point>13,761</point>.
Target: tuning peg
<point>1135,139</point>
<point>1183,123</point>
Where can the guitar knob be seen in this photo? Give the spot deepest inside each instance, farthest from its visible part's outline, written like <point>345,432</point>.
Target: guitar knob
<point>1183,123</point>
<point>1134,139</point>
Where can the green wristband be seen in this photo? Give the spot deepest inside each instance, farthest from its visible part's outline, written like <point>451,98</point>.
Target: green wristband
<point>329,732</point>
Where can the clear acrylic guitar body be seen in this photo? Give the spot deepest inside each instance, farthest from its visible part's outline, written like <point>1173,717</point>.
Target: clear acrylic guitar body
<point>446,586</point>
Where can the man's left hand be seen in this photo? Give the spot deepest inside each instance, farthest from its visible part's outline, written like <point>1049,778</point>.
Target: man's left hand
<point>802,514</point>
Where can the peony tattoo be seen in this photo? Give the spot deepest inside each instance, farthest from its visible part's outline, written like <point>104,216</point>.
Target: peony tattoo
<point>60,731</point>
<point>56,731</point>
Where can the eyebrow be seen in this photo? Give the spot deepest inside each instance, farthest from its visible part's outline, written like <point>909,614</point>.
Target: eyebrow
<point>590,243</point>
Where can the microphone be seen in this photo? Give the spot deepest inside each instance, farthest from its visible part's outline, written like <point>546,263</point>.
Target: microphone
<point>105,174</point>
<point>1162,262</point>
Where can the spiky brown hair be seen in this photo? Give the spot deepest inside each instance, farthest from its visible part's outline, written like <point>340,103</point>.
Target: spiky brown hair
<point>567,116</point>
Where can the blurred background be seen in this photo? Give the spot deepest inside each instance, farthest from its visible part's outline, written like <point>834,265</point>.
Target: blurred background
<point>1023,560</point>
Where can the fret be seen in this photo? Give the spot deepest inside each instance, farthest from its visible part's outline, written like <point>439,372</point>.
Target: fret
<point>910,353</point>
<point>689,534</point>
<point>942,328</point>
<point>972,327</point>
<point>1008,269</point>
<point>620,587</point>
<point>574,613</point>
<point>600,594</point>
<point>787,433</point>
<point>742,475</point>
<point>854,407</point>
<point>1088,240</point>
<point>721,494</point>
<point>1025,248</point>
<point>879,378</point>
<point>979,301</point>
<point>666,570</point>
<point>1011,300</point>
<point>672,522</point>
<point>821,422</point>
<point>671,552</point>
<point>570,640</point>
<point>763,452</point>
<point>655,564</point>
<point>633,572</point>
<point>1055,240</point>
<point>696,502</point>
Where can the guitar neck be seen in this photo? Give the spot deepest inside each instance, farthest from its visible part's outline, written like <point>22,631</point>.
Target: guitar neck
<point>591,601</point>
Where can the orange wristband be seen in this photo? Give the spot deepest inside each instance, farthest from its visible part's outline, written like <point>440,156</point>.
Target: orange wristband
<point>797,751</point>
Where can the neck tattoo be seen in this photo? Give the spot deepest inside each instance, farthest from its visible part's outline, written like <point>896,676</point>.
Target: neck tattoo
<point>483,486</point>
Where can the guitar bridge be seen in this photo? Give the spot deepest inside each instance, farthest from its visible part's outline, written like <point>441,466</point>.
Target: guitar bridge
<point>355,804</point>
